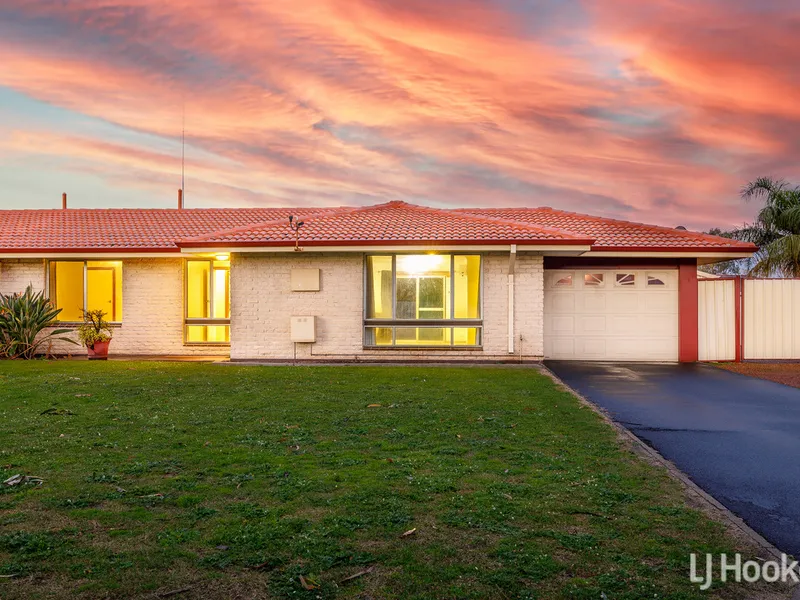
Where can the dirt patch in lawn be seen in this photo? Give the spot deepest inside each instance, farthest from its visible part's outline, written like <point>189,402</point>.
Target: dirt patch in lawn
<point>787,373</point>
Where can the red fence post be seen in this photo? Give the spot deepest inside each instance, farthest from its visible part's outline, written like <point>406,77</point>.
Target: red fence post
<point>739,310</point>
<point>687,312</point>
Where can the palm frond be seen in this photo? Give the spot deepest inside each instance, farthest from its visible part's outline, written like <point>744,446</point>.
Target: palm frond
<point>779,258</point>
<point>762,186</point>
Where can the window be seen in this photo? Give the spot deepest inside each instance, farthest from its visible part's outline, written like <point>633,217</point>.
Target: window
<point>78,285</point>
<point>564,281</point>
<point>653,280</point>
<point>208,305</point>
<point>423,300</point>
<point>626,279</point>
<point>593,279</point>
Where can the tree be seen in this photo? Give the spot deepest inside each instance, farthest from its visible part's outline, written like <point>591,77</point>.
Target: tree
<point>739,266</point>
<point>776,230</point>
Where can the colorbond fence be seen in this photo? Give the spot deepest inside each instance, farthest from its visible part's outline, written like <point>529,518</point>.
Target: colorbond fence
<point>748,319</point>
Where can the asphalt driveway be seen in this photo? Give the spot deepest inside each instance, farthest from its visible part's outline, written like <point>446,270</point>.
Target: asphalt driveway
<point>737,437</point>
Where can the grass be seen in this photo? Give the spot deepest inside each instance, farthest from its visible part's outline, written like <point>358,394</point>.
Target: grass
<point>237,481</point>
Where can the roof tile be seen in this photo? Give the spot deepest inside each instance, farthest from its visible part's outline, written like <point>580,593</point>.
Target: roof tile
<point>390,223</point>
<point>613,234</point>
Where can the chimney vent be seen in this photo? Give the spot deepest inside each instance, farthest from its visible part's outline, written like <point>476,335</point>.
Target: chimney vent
<point>180,199</point>
<point>64,201</point>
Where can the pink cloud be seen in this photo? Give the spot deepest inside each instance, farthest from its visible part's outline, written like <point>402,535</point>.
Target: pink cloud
<point>651,111</point>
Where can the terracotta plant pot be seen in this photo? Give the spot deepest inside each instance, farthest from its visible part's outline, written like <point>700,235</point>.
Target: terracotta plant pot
<point>99,351</point>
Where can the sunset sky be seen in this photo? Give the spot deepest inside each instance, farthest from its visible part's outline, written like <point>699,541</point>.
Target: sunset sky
<point>646,110</point>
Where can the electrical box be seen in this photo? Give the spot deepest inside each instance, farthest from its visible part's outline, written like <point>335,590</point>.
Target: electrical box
<point>305,280</point>
<point>304,329</point>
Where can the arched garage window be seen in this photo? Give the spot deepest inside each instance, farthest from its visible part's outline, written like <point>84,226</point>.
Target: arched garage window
<point>423,300</point>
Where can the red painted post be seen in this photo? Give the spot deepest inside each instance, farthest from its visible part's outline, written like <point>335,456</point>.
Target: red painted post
<point>687,311</point>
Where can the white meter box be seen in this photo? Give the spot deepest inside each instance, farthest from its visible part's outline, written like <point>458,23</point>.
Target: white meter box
<point>304,329</point>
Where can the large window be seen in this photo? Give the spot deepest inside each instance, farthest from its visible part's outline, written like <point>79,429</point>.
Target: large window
<point>78,285</point>
<point>423,300</point>
<point>208,304</point>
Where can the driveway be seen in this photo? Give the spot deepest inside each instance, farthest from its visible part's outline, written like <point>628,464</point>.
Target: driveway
<point>737,437</point>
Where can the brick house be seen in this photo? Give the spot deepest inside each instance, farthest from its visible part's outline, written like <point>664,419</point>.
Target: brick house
<point>386,282</point>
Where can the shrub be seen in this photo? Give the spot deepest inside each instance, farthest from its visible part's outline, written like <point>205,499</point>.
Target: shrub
<point>94,329</point>
<point>23,320</point>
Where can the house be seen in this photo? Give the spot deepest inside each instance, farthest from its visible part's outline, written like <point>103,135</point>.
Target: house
<point>393,281</point>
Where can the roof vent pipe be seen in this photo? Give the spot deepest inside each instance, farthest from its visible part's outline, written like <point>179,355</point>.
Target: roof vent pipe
<point>180,199</point>
<point>64,201</point>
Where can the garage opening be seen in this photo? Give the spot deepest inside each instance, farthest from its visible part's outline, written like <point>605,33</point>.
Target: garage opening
<point>611,314</point>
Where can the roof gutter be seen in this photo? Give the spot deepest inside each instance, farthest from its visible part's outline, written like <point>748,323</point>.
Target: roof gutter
<point>576,249</point>
<point>88,253</point>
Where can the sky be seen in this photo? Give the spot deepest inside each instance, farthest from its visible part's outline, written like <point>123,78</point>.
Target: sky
<point>655,111</point>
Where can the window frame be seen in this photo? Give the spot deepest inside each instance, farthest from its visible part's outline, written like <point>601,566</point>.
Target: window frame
<point>85,261</point>
<point>208,321</point>
<point>451,323</point>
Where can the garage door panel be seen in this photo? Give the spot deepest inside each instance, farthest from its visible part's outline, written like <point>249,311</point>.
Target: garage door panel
<point>607,321</point>
<point>562,324</point>
<point>662,327</point>
<point>623,324</point>
<point>592,324</point>
<point>592,347</point>
<point>658,302</point>
<point>592,301</point>
<point>559,302</point>
<point>562,347</point>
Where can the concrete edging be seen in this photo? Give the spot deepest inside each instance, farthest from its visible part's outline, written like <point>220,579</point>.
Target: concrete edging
<point>729,519</point>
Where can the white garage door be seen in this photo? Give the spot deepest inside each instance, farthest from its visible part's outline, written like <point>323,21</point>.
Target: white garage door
<point>611,315</point>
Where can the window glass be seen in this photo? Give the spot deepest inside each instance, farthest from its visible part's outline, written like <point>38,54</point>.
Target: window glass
<point>198,298</point>
<point>564,281</point>
<point>423,287</point>
<point>625,279</point>
<point>593,279</point>
<point>653,280</point>
<point>208,293</point>
<point>66,289</point>
<point>76,286</point>
<point>422,336</point>
<point>104,288</point>
<point>467,286</point>
<point>379,336</point>
<point>379,287</point>
<point>466,336</point>
<point>208,334</point>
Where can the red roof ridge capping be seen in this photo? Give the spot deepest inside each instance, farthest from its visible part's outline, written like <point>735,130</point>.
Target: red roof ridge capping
<point>299,216</point>
<point>682,232</point>
<point>389,230</point>
<point>727,243</point>
<point>510,222</point>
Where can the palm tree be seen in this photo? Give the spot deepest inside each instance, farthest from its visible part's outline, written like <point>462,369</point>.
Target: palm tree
<point>776,230</point>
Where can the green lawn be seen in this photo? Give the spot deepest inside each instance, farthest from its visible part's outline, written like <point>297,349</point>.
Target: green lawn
<point>237,481</point>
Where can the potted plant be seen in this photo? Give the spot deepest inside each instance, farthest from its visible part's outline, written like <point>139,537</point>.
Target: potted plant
<point>95,334</point>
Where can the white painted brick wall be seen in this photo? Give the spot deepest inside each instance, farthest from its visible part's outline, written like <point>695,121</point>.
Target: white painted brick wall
<point>17,274</point>
<point>152,312</point>
<point>262,304</point>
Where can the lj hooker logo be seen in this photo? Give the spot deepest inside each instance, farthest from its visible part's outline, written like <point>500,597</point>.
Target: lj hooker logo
<point>731,568</point>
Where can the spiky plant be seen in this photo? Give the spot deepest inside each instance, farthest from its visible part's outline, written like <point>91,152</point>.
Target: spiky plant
<point>24,319</point>
<point>776,230</point>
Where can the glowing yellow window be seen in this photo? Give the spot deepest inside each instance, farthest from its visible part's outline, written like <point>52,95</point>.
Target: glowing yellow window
<point>423,300</point>
<point>76,286</point>
<point>208,308</point>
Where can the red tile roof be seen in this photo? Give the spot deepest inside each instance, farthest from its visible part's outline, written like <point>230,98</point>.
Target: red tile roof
<point>613,234</point>
<point>140,230</point>
<point>391,223</point>
<point>394,223</point>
